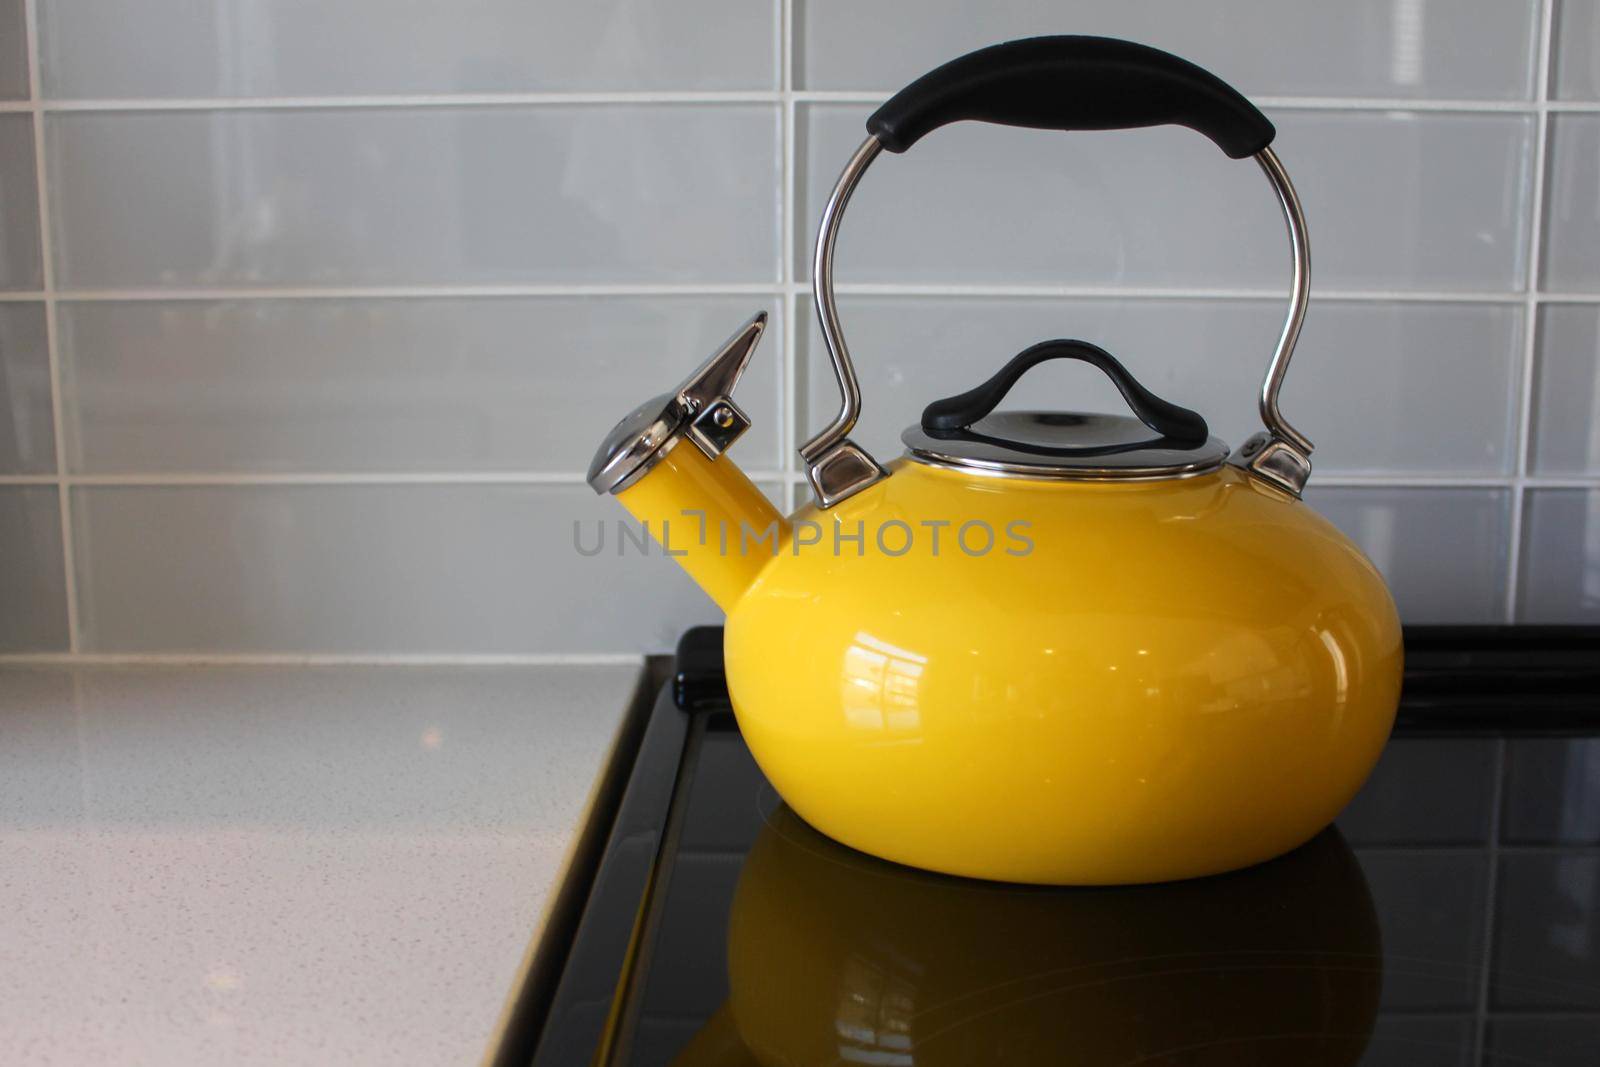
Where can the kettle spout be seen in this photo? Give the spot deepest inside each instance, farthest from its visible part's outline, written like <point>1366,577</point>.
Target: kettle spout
<point>664,462</point>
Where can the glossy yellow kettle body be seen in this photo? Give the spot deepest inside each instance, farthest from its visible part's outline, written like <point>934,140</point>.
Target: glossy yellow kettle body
<point>1131,682</point>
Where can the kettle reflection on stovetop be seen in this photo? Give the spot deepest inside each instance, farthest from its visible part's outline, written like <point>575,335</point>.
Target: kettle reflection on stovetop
<point>835,957</point>
<point>1041,646</point>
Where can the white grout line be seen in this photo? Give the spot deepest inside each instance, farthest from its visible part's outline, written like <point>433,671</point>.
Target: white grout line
<point>1281,103</point>
<point>244,479</point>
<point>790,397</point>
<point>1420,481</point>
<point>157,479</point>
<point>1530,314</point>
<point>1423,481</point>
<point>790,286</point>
<point>1575,482</point>
<point>52,347</point>
<point>1088,292</point>
<point>398,292</point>
<point>863,97</point>
<point>1336,103</point>
<point>413,100</point>
<point>318,659</point>
<point>786,93</point>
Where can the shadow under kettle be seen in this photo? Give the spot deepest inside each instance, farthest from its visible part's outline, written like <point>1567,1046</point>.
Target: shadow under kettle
<point>838,958</point>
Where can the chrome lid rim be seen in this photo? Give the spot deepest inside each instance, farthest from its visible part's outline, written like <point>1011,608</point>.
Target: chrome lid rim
<point>1043,473</point>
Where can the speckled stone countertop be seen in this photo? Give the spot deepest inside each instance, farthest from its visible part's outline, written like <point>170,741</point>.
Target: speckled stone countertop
<point>283,865</point>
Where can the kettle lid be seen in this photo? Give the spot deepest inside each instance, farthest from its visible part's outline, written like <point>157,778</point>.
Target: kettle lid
<point>965,432</point>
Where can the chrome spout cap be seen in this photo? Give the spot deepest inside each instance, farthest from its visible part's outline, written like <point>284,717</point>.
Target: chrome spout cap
<point>701,409</point>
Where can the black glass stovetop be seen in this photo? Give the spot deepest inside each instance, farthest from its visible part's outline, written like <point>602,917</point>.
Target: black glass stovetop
<point>1451,916</point>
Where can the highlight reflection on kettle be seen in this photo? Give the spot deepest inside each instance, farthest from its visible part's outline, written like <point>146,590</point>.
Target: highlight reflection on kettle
<point>1042,646</point>
<point>834,957</point>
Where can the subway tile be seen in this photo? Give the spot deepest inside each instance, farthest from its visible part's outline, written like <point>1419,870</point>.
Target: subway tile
<point>1479,50</point>
<point>21,262</point>
<point>27,429</point>
<point>1433,791</point>
<point>408,568</point>
<point>307,48</point>
<point>13,50</point>
<point>33,601</point>
<point>1553,791</point>
<point>1547,932</point>
<point>1395,200</point>
<point>1560,557</point>
<point>1575,73</point>
<point>1572,213</point>
<point>1430,909</point>
<point>1419,389</point>
<point>389,385</point>
<point>1442,551</point>
<point>472,196</point>
<point>1566,421</point>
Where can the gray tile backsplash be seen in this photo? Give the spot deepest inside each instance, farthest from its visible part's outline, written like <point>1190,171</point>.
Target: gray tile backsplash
<point>1575,64</point>
<point>410,569</point>
<point>1441,550</point>
<point>1434,204</point>
<point>33,603</point>
<point>1361,372</point>
<point>13,51</point>
<point>1467,49</point>
<point>344,295</point>
<point>21,258</point>
<point>357,47</point>
<point>27,428</point>
<point>1566,416</point>
<point>574,193</point>
<point>1561,557</point>
<point>1572,238</point>
<point>485,384</point>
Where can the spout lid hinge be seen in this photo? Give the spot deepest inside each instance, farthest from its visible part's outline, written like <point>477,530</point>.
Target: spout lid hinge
<point>706,396</point>
<point>718,426</point>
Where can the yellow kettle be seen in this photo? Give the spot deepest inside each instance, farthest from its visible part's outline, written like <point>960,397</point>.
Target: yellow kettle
<point>1041,646</point>
<point>834,957</point>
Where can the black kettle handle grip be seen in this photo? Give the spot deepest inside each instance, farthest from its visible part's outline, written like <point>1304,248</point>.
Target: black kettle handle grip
<point>1073,83</point>
<point>1164,417</point>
